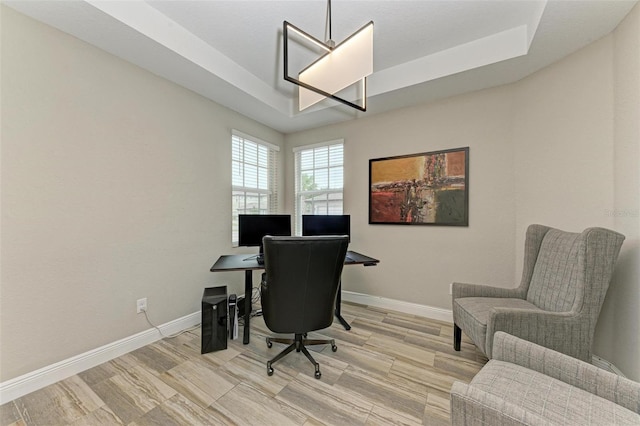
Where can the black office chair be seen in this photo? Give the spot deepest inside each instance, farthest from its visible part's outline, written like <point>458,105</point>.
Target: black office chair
<point>299,288</point>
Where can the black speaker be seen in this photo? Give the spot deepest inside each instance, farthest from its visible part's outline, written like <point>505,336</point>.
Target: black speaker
<point>214,319</point>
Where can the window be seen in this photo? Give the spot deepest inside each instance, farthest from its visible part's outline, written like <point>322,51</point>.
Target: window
<point>319,180</point>
<point>254,168</point>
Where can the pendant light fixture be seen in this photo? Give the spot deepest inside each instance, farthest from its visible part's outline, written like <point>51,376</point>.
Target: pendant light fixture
<point>338,66</point>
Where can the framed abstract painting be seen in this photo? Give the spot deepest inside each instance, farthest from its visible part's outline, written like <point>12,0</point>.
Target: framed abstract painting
<point>430,188</point>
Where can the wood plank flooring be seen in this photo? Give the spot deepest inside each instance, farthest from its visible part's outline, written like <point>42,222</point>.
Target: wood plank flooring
<point>390,369</point>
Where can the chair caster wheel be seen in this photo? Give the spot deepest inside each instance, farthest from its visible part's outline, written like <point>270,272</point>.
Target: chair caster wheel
<point>269,371</point>
<point>269,344</point>
<point>318,374</point>
<point>334,348</point>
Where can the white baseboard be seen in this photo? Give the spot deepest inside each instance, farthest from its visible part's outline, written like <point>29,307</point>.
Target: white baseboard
<point>399,305</point>
<point>30,382</point>
<point>606,365</point>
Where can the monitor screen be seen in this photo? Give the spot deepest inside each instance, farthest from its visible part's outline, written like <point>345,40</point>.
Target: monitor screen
<point>252,227</point>
<point>326,225</point>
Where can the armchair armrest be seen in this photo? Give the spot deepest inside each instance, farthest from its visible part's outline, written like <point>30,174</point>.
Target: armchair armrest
<point>478,290</point>
<point>470,404</point>
<point>580,374</point>
<point>560,331</point>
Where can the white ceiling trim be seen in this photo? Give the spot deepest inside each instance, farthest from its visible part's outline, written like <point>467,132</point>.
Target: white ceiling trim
<point>485,51</point>
<point>148,21</point>
<point>501,46</point>
<point>536,17</point>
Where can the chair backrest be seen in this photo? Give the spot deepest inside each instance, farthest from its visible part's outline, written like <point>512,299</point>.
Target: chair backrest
<point>300,283</point>
<point>572,271</point>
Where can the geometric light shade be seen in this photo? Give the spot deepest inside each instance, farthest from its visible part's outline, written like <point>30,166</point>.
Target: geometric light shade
<point>349,63</point>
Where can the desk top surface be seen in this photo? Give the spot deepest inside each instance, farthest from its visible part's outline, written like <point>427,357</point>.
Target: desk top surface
<point>246,262</point>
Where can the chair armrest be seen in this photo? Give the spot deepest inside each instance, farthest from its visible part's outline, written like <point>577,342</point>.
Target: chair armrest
<point>470,406</point>
<point>617,389</point>
<point>549,329</point>
<point>478,290</point>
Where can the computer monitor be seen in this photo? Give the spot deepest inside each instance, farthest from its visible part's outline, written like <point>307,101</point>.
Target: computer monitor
<point>252,227</point>
<point>326,225</point>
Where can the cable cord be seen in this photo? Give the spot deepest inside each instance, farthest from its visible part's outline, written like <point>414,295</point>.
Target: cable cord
<point>171,336</point>
<point>255,298</point>
<point>327,25</point>
<point>255,295</point>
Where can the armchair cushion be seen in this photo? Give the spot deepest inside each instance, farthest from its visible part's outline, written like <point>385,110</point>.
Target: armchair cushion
<point>471,406</point>
<point>474,314</point>
<point>555,277</point>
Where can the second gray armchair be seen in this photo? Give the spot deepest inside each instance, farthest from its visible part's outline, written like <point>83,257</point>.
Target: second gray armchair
<point>564,283</point>
<point>526,384</point>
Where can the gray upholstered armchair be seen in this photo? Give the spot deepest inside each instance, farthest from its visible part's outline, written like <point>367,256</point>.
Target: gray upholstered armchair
<point>564,282</point>
<point>526,384</point>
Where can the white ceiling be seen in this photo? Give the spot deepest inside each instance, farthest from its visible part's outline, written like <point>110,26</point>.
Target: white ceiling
<point>231,51</point>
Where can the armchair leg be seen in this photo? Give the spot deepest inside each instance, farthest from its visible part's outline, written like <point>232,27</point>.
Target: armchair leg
<point>457,337</point>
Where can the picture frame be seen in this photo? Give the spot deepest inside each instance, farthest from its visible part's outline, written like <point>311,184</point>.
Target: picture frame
<point>429,188</point>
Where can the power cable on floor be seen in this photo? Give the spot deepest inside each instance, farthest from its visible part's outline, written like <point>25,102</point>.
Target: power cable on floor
<point>171,336</point>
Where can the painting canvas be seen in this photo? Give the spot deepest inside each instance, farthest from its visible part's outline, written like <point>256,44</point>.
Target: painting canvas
<point>430,188</point>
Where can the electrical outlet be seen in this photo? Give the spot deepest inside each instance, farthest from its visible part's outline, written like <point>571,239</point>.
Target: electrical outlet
<point>450,288</point>
<point>141,305</point>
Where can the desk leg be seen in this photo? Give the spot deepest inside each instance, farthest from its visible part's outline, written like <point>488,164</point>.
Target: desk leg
<point>248,292</point>
<point>344,323</point>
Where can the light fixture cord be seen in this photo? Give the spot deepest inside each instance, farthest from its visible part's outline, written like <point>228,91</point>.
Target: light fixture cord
<point>329,8</point>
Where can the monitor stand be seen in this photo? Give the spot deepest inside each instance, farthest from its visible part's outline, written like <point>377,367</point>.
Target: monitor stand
<point>260,256</point>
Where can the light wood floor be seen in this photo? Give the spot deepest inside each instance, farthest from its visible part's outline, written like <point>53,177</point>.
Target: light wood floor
<point>390,369</point>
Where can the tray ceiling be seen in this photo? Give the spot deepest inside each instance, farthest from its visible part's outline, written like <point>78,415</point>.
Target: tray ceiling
<point>231,51</point>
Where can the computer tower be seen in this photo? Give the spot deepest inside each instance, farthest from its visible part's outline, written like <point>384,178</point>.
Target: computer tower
<point>214,319</point>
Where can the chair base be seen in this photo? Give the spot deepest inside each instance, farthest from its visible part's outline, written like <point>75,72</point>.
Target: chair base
<point>298,343</point>
<point>457,337</point>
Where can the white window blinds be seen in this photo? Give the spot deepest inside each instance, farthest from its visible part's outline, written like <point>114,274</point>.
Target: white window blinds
<point>254,169</point>
<point>319,180</point>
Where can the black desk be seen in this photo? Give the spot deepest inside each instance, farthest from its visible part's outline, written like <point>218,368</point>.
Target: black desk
<point>248,264</point>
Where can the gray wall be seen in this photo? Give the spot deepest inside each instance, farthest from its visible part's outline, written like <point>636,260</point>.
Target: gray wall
<point>418,262</point>
<point>577,131</point>
<point>115,186</point>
